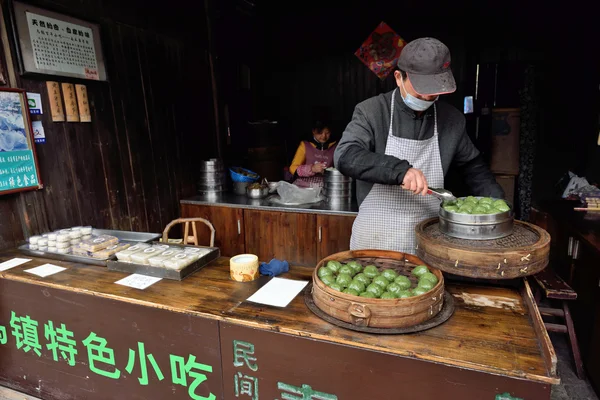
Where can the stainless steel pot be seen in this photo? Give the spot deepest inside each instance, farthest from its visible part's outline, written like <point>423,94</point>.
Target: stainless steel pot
<point>337,193</point>
<point>334,176</point>
<point>476,226</point>
<point>337,186</point>
<point>240,187</point>
<point>213,178</point>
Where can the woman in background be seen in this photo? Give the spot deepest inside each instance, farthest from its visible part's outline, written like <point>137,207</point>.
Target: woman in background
<point>313,157</point>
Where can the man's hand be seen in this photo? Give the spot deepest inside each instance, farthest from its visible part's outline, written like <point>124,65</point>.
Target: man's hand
<point>415,181</point>
<point>318,168</point>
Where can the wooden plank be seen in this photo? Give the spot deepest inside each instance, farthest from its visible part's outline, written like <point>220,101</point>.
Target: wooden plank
<point>490,331</point>
<point>271,365</point>
<point>127,149</point>
<point>89,187</point>
<point>139,358</point>
<point>10,229</point>
<point>555,312</point>
<point>32,212</point>
<point>228,224</point>
<point>335,232</point>
<point>555,327</point>
<point>105,134</point>
<point>153,165</point>
<point>153,52</point>
<point>289,236</point>
<point>57,197</point>
<point>554,286</point>
<point>538,324</point>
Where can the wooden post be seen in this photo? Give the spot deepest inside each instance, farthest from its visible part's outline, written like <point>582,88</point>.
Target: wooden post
<point>213,77</point>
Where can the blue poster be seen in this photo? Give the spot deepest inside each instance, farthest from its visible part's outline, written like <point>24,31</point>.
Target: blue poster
<point>17,161</point>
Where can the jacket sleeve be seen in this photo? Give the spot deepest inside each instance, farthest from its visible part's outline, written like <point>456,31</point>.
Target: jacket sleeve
<point>355,154</point>
<point>474,170</point>
<point>299,158</point>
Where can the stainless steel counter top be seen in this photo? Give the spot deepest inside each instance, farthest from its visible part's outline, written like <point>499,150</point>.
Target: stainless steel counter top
<point>267,204</point>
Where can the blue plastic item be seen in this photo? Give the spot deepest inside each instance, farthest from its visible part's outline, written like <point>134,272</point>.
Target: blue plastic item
<point>242,178</point>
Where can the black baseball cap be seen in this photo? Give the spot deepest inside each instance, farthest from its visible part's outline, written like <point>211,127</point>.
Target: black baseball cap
<point>426,61</point>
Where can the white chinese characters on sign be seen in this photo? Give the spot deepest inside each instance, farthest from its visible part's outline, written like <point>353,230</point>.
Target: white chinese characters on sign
<point>62,46</point>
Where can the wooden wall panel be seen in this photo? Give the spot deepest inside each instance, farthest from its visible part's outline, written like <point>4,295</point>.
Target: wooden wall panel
<point>151,123</point>
<point>10,227</point>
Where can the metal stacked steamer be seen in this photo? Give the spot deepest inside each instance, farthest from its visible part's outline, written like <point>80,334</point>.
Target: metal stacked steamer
<point>213,177</point>
<point>337,188</point>
<point>492,246</point>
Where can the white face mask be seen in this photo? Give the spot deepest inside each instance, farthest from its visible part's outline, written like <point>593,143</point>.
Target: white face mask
<point>415,103</point>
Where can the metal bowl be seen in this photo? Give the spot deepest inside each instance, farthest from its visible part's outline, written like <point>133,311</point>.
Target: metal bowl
<point>476,226</point>
<point>258,193</point>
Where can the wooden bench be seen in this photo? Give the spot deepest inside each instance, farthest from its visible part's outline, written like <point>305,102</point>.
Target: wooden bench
<point>556,291</point>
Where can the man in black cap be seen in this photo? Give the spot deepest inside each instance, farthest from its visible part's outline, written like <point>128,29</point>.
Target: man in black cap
<point>402,142</point>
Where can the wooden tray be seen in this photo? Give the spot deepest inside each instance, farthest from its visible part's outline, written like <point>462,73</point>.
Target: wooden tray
<point>440,318</point>
<point>379,313</point>
<point>166,273</point>
<point>523,253</point>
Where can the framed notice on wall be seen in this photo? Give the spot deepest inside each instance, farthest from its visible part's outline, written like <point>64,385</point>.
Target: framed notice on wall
<point>18,161</point>
<point>50,43</point>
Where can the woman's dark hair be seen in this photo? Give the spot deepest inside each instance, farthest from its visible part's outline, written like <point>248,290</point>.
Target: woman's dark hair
<point>319,125</point>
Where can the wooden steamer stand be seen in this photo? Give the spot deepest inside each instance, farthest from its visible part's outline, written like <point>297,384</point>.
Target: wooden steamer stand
<point>499,264</point>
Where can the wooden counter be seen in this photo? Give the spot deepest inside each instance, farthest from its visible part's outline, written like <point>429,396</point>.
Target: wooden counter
<point>205,340</point>
<point>301,236</point>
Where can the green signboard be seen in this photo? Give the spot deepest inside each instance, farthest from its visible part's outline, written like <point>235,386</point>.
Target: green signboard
<point>18,162</point>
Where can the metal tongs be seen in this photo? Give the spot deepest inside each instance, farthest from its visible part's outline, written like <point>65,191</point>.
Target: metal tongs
<point>442,194</point>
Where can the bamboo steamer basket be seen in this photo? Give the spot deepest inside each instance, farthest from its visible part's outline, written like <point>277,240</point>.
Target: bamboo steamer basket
<point>379,313</point>
<point>525,252</point>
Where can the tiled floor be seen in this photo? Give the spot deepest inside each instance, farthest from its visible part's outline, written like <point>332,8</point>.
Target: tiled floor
<point>571,387</point>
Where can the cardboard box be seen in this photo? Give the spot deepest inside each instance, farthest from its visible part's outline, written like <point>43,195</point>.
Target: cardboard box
<point>508,183</point>
<point>504,153</point>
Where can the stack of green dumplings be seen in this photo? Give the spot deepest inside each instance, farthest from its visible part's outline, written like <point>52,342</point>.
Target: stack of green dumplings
<point>473,205</point>
<point>352,278</point>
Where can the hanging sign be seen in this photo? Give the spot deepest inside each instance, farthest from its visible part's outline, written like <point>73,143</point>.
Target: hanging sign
<point>18,162</point>
<point>34,101</point>
<point>83,104</point>
<point>51,43</point>
<point>381,50</point>
<point>55,100</point>
<point>70,102</point>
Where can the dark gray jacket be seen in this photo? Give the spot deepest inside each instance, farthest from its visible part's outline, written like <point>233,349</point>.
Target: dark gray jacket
<point>361,151</point>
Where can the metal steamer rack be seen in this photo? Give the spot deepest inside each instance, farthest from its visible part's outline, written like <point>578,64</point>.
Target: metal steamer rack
<point>476,226</point>
<point>123,236</point>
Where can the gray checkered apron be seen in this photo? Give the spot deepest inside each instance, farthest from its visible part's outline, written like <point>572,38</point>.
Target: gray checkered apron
<point>387,217</point>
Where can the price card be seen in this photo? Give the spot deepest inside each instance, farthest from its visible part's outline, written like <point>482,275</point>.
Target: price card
<point>45,270</point>
<point>138,281</point>
<point>15,262</point>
